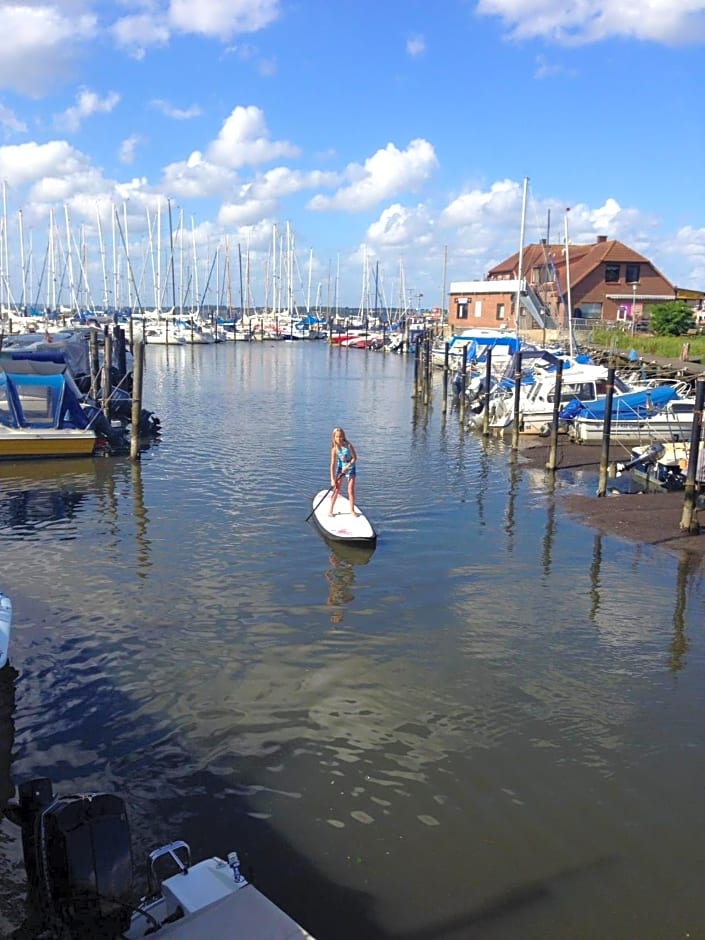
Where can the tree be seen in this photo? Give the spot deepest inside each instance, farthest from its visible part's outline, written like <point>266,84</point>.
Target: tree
<point>670,319</point>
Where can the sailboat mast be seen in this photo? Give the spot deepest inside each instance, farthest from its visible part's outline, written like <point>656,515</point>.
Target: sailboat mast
<point>444,285</point>
<point>520,271</point>
<point>569,308</point>
<point>239,261</point>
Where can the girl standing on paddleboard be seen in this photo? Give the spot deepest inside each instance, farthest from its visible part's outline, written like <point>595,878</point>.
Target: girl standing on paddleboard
<point>342,466</point>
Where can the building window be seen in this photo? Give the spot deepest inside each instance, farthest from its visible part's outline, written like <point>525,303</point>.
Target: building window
<point>500,311</point>
<point>612,273</point>
<point>462,308</point>
<point>632,273</point>
<point>588,311</point>
<point>478,309</point>
<point>536,275</point>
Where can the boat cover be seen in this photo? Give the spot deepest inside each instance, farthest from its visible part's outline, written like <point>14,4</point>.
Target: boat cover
<point>630,406</point>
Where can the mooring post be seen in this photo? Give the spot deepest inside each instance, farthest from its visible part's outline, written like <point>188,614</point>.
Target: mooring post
<point>138,371</point>
<point>107,369</point>
<point>606,431</point>
<point>517,403</point>
<point>120,352</point>
<point>94,362</point>
<point>553,448</point>
<point>689,518</point>
<point>463,382</point>
<point>486,394</point>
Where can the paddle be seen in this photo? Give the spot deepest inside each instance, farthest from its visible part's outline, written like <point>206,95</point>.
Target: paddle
<point>339,477</point>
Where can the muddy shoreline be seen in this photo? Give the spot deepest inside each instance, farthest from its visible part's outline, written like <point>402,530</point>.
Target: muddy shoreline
<point>650,518</point>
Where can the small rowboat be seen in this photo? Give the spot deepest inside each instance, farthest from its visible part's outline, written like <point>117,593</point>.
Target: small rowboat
<point>343,526</point>
<point>5,627</point>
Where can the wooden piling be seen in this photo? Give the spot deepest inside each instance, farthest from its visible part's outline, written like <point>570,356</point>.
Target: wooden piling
<point>94,362</point>
<point>553,447</point>
<point>689,519</point>
<point>107,369</point>
<point>606,431</point>
<point>517,403</point>
<point>138,370</point>
<point>120,352</point>
<point>463,380</point>
<point>486,394</point>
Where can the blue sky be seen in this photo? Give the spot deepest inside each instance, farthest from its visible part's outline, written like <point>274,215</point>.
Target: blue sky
<point>386,136</point>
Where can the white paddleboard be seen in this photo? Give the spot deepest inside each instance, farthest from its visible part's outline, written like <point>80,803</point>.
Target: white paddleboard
<point>5,627</point>
<point>343,526</point>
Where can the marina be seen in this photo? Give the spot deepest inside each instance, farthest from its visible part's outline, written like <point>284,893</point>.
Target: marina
<point>489,726</point>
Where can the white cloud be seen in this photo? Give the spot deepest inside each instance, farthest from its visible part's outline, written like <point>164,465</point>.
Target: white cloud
<point>671,22</point>
<point>10,122</point>
<point>23,164</point>
<point>484,208</point>
<point>41,45</point>
<point>415,46</point>
<point>178,114</point>
<point>261,197</point>
<point>222,19</point>
<point>398,226</point>
<point>384,174</point>
<point>196,177</point>
<point>244,139</point>
<point>128,148</point>
<point>138,32</point>
<point>246,212</point>
<point>688,243</point>
<point>87,103</point>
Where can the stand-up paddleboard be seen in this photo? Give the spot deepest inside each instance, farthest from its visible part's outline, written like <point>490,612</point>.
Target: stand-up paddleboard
<point>5,627</point>
<point>343,526</point>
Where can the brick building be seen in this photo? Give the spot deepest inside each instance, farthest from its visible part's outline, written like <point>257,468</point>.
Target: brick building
<point>608,281</point>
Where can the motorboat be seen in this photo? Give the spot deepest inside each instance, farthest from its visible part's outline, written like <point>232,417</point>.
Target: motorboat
<point>474,345</point>
<point>583,382</point>
<point>5,628</point>
<point>78,860</point>
<point>41,414</point>
<point>660,464</point>
<point>637,417</point>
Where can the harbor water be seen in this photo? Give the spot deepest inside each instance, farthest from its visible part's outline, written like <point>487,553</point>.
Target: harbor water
<point>489,726</point>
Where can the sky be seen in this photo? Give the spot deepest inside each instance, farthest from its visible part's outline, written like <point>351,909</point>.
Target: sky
<point>337,152</point>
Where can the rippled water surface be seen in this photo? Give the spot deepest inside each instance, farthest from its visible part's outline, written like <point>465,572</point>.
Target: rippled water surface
<point>491,726</point>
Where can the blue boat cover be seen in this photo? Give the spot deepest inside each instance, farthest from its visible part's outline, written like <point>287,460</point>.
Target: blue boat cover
<point>630,406</point>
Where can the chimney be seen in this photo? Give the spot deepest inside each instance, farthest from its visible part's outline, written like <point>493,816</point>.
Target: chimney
<point>601,239</point>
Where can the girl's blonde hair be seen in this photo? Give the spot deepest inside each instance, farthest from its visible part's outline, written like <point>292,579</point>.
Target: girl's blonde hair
<point>338,431</point>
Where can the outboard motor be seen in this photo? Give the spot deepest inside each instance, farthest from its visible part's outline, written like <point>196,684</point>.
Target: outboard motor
<point>78,857</point>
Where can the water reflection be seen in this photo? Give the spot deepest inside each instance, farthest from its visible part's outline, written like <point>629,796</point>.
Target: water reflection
<point>509,518</point>
<point>550,530</point>
<point>341,575</point>
<point>36,494</point>
<point>595,567</point>
<point>144,556</point>
<point>688,564</point>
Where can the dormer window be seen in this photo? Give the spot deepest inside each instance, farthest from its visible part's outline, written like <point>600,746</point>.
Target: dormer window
<point>633,271</point>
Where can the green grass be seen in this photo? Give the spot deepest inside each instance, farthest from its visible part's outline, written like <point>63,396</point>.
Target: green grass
<point>670,347</point>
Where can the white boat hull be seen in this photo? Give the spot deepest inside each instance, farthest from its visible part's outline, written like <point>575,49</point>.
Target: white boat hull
<point>674,427</point>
